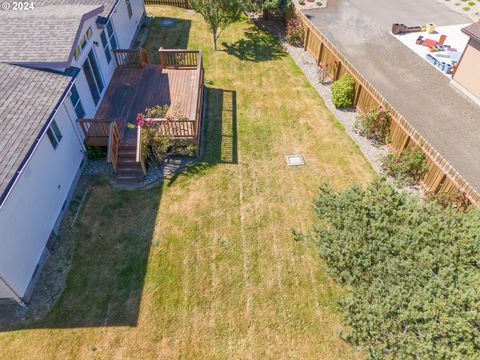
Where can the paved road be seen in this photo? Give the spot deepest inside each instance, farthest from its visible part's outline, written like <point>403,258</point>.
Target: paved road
<point>446,118</point>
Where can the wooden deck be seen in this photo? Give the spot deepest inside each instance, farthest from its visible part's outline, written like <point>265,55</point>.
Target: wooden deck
<point>132,90</point>
<point>137,85</point>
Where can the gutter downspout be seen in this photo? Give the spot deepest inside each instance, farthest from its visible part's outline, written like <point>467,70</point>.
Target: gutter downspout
<point>17,297</point>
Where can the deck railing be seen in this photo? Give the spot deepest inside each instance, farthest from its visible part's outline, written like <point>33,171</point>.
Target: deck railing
<point>114,142</point>
<point>140,156</point>
<point>179,3</point>
<point>198,94</point>
<point>130,57</point>
<point>96,131</point>
<point>104,132</point>
<point>178,58</point>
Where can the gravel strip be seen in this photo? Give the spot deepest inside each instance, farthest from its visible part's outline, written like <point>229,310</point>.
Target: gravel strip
<point>346,117</point>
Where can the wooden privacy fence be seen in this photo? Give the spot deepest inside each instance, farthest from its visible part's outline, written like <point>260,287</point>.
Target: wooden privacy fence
<point>441,176</point>
<point>179,3</point>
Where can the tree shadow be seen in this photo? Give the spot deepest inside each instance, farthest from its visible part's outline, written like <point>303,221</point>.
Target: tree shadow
<point>259,45</point>
<point>173,36</point>
<point>112,240</point>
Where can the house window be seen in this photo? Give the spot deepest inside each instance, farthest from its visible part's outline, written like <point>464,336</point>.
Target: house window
<point>77,52</point>
<point>83,42</point>
<point>89,33</point>
<point>106,47</point>
<point>77,103</point>
<point>129,8</point>
<point>54,134</point>
<point>94,77</point>
<point>111,35</point>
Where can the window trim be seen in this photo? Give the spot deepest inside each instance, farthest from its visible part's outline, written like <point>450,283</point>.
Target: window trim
<point>106,46</point>
<point>112,35</point>
<point>129,8</point>
<point>54,134</point>
<point>77,105</point>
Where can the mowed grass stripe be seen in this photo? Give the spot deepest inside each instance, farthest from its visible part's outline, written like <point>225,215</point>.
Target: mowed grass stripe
<point>223,278</point>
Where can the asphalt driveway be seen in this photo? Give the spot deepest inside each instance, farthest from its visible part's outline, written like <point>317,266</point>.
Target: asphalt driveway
<point>408,12</point>
<point>446,118</point>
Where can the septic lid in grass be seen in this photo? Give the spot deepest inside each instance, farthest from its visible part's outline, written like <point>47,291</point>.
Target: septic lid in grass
<point>167,22</point>
<point>296,160</point>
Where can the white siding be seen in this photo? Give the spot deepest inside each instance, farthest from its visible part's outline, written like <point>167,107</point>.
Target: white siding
<point>125,28</point>
<point>30,212</point>
<point>106,68</point>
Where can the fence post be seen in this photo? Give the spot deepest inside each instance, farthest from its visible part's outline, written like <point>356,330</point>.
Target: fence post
<point>357,95</point>
<point>337,70</point>
<point>307,35</point>
<point>186,4</point>
<point>320,54</point>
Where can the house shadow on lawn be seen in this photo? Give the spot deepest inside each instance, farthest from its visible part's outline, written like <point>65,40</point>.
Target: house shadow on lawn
<point>112,237</point>
<point>259,45</point>
<point>173,36</point>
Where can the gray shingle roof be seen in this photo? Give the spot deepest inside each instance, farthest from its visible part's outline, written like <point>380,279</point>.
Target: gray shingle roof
<point>473,31</point>
<point>107,4</point>
<point>43,35</point>
<point>28,98</point>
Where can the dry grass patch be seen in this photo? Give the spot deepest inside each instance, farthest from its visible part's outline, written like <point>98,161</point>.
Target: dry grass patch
<point>205,266</point>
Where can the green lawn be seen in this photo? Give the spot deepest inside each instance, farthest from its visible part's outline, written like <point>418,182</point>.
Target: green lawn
<point>204,266</point>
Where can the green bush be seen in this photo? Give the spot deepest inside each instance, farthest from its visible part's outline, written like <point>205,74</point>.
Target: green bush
<point>409,165</point>
<point>374,125</point>
<point>412,270</point>
<point>95,152</point>
<point>343,91</point>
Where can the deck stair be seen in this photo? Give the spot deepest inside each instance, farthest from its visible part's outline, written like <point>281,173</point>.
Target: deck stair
<point>129,170</point>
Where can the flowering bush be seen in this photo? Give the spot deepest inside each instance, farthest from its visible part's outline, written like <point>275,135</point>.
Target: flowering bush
<point>374,125</point>
<point>157,144</point>
<point>410,165</point>
<point>295,32</point>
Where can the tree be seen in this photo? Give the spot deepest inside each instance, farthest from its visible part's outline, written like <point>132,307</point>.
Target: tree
<point>268,7</point>
<point>218,14</point>
<point>413,271</point>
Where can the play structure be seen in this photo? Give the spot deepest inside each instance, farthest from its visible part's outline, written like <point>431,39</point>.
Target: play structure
<point>398,29</point>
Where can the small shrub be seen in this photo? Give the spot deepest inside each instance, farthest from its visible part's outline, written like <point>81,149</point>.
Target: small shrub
<point>444,200</point>
<point>410,165</point>
<point>374,125</point>
<point>295,32</point>
<point>95,152</point>
<point>343,91</point>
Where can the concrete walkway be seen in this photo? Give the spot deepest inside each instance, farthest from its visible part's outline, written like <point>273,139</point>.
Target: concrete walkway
<point>447,119</point>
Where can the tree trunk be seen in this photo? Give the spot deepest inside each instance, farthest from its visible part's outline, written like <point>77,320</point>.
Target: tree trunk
<point>266,14</point>
<point>214,36</point>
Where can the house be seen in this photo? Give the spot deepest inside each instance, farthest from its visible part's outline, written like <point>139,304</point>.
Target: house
<point>56,62</point>
<point>467,74</point>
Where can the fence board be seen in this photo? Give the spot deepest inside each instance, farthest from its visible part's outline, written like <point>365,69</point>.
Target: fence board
<point>440,176</point>
<point>178,3</point>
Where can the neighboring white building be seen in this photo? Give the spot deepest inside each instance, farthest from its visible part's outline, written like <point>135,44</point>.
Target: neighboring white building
<point>55,65</point>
